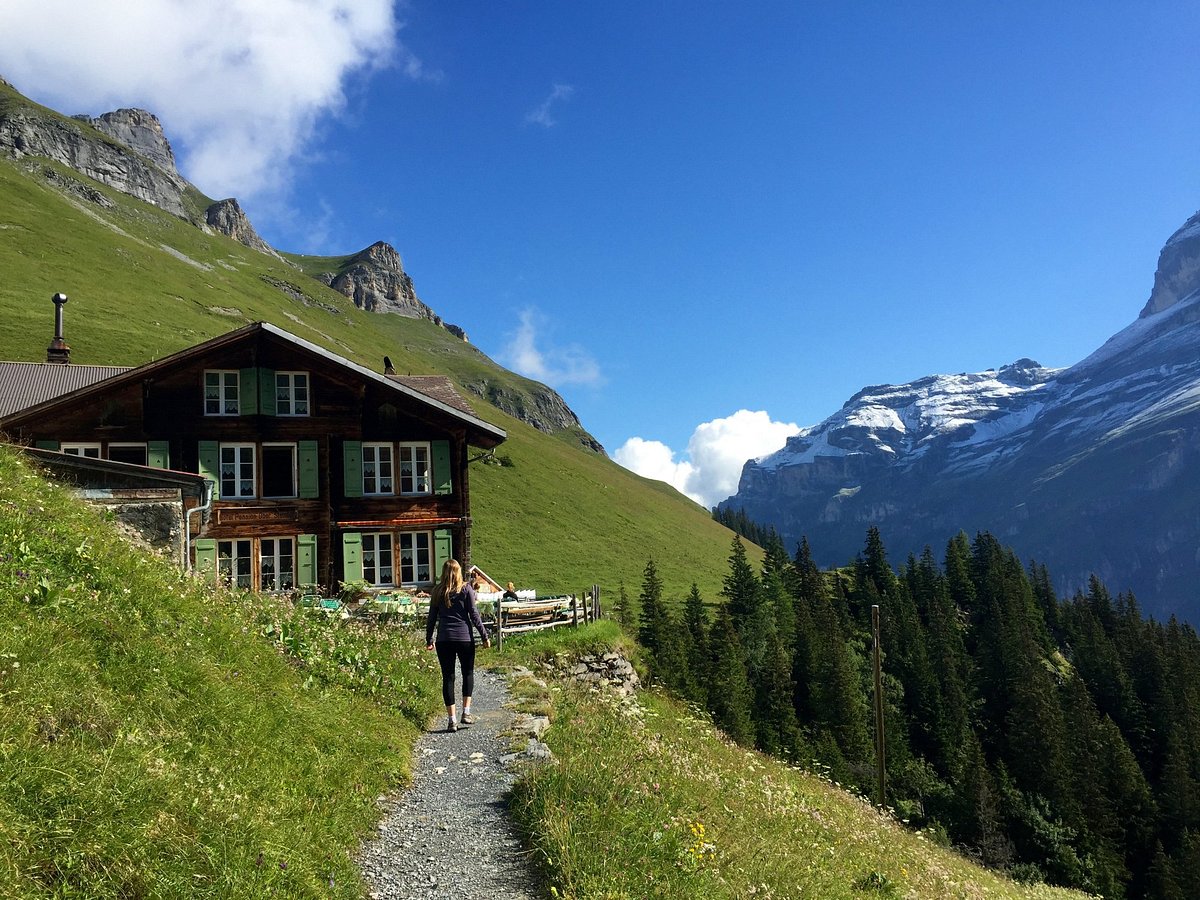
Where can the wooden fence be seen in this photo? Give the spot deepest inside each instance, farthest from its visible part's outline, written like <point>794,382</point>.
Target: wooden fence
<point>504,617</point>
<point>520,616</point>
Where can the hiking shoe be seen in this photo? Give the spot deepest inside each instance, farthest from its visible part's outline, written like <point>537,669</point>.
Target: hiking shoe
<point>451,725</point>
<point>467,719</point>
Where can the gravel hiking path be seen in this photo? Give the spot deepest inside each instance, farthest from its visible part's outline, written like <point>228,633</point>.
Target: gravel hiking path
<point>448,835</point>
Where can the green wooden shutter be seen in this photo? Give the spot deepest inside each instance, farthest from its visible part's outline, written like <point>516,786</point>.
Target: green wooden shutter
<point>442,477</point>
<point>247,392</point>
<point>206,557</point>
<point>266,391</point>
<point>210,465</point>
<point>309,470</point>
<point>158,454</point>
<point>352,468</point>
<point>46,445</point>
<point>443,549</point>
<point>351,556</point>
<point>306,560</point>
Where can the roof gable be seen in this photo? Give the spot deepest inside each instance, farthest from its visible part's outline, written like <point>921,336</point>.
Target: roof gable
<point>40,382</point>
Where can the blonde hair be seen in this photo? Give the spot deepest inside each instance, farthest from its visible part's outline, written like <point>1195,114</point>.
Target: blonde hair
<point>451,583</point>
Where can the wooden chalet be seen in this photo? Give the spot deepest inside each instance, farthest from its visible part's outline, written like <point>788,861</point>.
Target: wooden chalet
<point>320,469</point>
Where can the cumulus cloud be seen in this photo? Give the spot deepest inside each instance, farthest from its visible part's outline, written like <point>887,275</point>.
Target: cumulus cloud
<point>540,114</point>
<point>556,366</point>
<point>716,452</point>
<point>239,86</point>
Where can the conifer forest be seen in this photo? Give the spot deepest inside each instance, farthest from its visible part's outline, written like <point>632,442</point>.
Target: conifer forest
<point>1055,738</point>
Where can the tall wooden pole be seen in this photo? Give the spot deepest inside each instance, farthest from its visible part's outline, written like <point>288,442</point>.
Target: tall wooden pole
<point>880,743</point>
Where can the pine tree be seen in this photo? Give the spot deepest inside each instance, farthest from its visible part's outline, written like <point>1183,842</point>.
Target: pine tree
<point>741,588</point>
<point>730,695</point>
<point>627,616</point>
<point>695,627</point>
<point>650,628</point>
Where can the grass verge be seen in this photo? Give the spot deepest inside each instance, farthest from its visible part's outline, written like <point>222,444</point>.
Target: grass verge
<point>647,799</point>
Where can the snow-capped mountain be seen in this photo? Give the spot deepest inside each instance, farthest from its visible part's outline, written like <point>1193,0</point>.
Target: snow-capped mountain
<point>1090,469</point>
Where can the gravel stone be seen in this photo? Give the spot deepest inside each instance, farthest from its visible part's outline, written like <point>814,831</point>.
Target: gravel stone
<point>448,835</point>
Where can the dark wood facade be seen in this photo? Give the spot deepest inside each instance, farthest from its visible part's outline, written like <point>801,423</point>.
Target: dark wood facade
<point>323,470</point>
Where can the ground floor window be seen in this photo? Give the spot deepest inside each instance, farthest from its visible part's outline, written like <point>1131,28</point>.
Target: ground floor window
<point>415,557</point>
<point>377,559</point>
<point>235,562</point>
<point>128,453</point>
<point>276,564</point>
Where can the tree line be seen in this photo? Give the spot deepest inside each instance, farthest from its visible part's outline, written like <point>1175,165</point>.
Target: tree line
<point>1056,739</point>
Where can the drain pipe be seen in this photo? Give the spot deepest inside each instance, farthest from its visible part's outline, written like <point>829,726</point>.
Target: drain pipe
<point>209,484</point>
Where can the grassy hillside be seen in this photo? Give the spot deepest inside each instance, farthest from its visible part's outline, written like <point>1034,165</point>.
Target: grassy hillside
<point>154,742</point>
<point>143,284</point>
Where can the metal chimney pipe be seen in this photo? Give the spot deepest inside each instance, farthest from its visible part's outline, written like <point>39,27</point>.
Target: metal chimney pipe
<point>58,351</point>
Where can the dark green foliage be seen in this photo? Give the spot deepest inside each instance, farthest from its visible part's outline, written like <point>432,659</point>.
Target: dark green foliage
<point>651,610</point>
<point>695,629</point>
<point>730,694</point>
<point>1059,741</point>
<point>741,588</point>
<point>625,612</point>
<point>739,523</point>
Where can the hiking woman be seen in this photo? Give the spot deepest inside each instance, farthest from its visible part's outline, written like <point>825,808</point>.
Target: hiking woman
<point>452,609</point>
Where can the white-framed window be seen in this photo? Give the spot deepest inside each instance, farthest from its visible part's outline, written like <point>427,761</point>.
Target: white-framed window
<point>377,469</point>
<point>416,557</point>
<point>415,477</point>
<point>128,453</point>
<point>276,564</point>
<point>77,448</point>
<point>291,393</point>
<point>377,559</point>
<point>235,562</point>
<point>237,472</point>
<point>221,392</point>
<point>278,470</point>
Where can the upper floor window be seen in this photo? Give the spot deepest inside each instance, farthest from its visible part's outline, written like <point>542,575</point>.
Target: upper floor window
<point>377,469</point>
<point>237,471</point>
<point>291,393</point>
<point>221,392</point>
<point>279,470</point>
<point>91,451</point>
<point>415,476</point>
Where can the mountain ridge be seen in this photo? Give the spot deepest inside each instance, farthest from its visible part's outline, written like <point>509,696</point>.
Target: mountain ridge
<point>1058,462</point>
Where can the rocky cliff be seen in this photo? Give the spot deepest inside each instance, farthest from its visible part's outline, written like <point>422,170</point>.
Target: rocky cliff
<point>1090,469</point>
<point>80,146</point>
<point>1178,271</point>
<point>375,280</point>
<point>140,131</point>
<point>227,217</point>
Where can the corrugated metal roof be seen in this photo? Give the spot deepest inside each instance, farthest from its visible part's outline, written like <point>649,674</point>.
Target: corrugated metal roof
<point>439,387</point>
<point>27,384</point>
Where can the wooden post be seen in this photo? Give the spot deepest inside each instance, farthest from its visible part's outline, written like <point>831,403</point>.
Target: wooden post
<point>574,612</point>
<point>595,602</point>
<point>499,624</point>
<point>880,743</point>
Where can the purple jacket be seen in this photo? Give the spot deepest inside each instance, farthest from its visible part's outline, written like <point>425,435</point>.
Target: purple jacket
<point>454,622</point>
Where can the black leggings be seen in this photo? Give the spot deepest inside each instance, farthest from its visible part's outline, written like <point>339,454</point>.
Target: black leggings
<point>465,651</point>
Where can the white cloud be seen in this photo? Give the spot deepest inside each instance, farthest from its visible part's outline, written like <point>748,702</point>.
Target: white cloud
<point>238,84</point>
<point>540,114</point>
<point>656,460</point>
<point>557,366</point>
<point>716,453</point>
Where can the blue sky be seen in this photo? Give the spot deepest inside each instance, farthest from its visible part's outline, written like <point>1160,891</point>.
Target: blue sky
<point>704,224</point>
